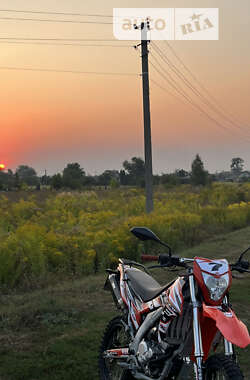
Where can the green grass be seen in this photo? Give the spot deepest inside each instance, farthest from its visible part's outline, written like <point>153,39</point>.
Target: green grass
<point>54,333</point>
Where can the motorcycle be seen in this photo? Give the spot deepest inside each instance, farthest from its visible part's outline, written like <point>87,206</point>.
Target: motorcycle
<point>167,332</point>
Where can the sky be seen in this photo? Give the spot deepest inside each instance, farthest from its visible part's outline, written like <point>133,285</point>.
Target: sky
<point>49,119</point>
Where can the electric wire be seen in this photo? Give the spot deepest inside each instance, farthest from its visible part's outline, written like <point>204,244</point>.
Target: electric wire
<point>167,91</point>
<point>56,21</point>
<point>231,117</point>
<point>54,13</point>
<point>173,84</point>
<point>192,88</point>
<point>182,77</point>
<point>59,39</point>
<point>78,14</point>
<point>61,44</point>
<point>65,71</point>
<point>177,88</point>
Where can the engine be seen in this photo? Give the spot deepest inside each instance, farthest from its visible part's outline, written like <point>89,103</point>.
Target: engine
<point>150,353</point>
<point>145,352</point>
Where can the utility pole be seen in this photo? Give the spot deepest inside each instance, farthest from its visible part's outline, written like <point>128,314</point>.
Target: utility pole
<point>146,117</point>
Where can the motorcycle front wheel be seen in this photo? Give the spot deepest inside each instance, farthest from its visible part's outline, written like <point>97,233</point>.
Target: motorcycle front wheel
<point>114,336</point>
<point>221,367</point>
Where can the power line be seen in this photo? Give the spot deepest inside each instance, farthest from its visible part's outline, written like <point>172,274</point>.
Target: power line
<point>200,84</point>
<point>54,13</point>
<point>57,39</point>
<point>177,88</point>
<point>168,77</point>
<point>194,89</point>
<point>54,20</point>
<point>173,84</point>
<point>65,13</point>
<point>175,72</point>
<point>65,71</point>
<point>189,85</point>
<point>182,93</point>
<point>167,91</point>
<point>62,44</point>
<point>181,76</point>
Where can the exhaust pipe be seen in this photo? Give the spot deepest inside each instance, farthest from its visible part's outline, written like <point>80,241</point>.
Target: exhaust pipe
<point>145,327</point>
<point>115,290</point>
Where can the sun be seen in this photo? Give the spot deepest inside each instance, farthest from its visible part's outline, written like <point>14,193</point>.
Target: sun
<point>2,166</point>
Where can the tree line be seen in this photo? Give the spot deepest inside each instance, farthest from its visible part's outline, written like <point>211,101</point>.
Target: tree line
<point>132,173</point>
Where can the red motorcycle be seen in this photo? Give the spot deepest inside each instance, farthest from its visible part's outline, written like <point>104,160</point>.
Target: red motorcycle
<point>167,332</point>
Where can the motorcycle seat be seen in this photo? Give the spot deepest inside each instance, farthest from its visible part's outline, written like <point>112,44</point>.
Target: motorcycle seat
<point>145,286</point>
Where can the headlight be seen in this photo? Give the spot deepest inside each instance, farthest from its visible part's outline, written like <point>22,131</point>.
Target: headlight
<point>216,286</point>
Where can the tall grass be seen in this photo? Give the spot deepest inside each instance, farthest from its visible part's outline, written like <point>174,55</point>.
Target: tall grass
<point>79,233</point>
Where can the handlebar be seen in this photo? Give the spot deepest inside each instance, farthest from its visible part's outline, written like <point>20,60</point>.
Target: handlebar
<point>165,260</point>
<point>149,258</point>
<point>241,266</point>
<point>161,259</point>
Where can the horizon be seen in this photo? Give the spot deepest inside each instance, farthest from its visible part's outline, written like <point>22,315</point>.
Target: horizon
<point>96,173</point>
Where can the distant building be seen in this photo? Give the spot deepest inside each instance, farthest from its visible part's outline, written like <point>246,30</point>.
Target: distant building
<point>244,176</point>
<point>231,176</point>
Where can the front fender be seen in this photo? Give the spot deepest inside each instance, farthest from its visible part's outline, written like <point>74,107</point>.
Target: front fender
<point>229,325</point>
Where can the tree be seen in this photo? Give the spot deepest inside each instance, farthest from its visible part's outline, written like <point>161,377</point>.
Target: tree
<point>73,176</point>
<point>56,181</point>
<point>135,169</point>
<point>170,179</point>
<point>45,180</point>
<point>17,182</point>
<point>199,175</point>
<point>89,180</point>
<point>107,176</point>
<point>156,179</point>
<point>2,180</point>
<point>7,180</point>
<point>123,177</point>
<point>27,175</point>
<point>237,165</point>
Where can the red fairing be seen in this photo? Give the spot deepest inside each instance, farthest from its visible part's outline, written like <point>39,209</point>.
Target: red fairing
<point>229,325</point>
<point>208,332</point>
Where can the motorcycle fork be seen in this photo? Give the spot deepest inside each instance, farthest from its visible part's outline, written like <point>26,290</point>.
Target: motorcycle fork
<point>228,347</point>
<point>198,349</point>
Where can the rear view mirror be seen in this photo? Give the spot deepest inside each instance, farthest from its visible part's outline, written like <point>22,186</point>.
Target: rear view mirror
<point>144,233</point>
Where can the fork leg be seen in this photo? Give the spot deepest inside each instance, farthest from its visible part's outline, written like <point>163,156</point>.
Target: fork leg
<point>198,349</point>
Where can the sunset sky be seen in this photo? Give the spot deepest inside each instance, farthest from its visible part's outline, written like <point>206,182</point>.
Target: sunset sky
<point>50,119</point>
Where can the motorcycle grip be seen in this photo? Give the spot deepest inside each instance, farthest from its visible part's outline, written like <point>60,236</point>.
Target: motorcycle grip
<point>149,258</point>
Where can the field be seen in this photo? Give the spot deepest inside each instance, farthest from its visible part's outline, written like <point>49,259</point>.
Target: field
<point>53,307</point>
<point>48,235</point>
